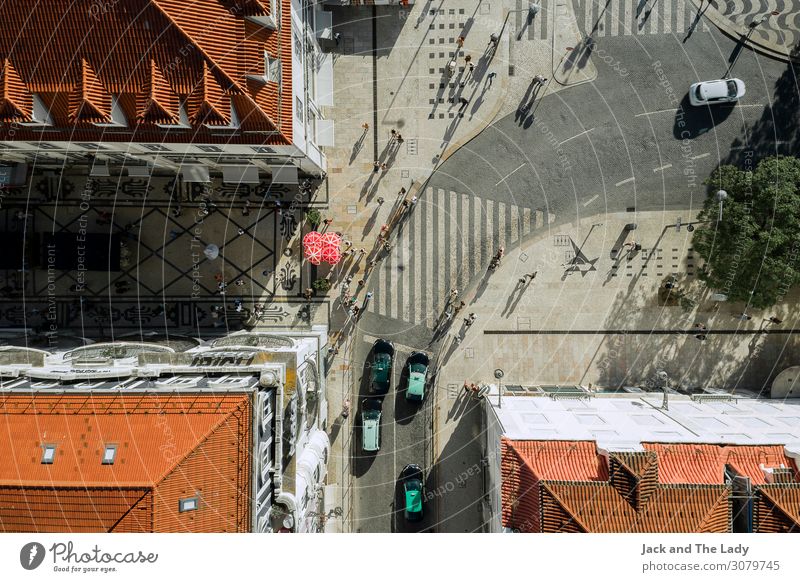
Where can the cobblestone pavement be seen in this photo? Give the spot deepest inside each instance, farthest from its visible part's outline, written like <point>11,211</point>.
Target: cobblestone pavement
<point>781,31</point>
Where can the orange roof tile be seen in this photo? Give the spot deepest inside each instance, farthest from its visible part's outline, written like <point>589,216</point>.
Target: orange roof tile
<point>566,486</point>
<point>77,58</point>
<point>16,103</point>
<point>704,463</point>
<point>777,508</point>
<point>152,434</point>
<point>168,447</point>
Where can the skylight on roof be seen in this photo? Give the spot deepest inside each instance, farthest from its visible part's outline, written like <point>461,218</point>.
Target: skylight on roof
<point>109,454</point>
<point>48,454</point>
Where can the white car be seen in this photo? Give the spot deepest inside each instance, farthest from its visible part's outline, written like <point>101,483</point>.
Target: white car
<point>719,91</point>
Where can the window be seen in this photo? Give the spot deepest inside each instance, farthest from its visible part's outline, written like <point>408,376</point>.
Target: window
<point>274,71</point>
<point>188,504</point>
<point>299,108</point>
<point>48,454</point>
<point>109,454</point>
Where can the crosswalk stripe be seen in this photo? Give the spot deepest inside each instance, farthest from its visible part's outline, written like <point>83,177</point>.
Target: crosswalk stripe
<point>465,241</point>
<point>501,224</point>
<point>455,238</point>
<point>477,228</point>
<point>489,238</point>
<point>679,17</point>
<point>629,19</point>
<point>428,237</point>
<point>526,221</point>
<point>667,12</point>
<point>614,13</point>
<point>403,292</point>
<point>417,259</point>
<point>441,264</point>
<point>514,223</point>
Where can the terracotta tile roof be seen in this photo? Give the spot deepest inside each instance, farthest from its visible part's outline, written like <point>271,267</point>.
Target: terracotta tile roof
<point>704,463</point>
<point>167,447</point>
<point>599,507</point>
<point>777,508</point>
<point>152,53</point>
<point>16,102</point>
<point>568,486</point>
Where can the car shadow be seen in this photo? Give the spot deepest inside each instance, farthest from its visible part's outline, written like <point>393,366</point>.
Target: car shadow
<point>692,122</point>
<point>362,461</point>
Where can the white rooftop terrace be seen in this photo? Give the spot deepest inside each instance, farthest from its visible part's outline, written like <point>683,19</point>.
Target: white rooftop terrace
<point>623,422</point>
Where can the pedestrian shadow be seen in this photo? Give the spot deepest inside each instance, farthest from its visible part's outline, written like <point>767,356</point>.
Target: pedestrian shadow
<point>481,286</point>
<point>514,298</point>
<point>357,147</point>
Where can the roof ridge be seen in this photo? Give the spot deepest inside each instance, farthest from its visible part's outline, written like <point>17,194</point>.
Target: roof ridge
<point>202,440</point>
<point>723,496</point>
<point>778,504</point>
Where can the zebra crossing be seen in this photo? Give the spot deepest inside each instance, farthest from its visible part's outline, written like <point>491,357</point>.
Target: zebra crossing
<point>447,241</point>
<point>601,18</point>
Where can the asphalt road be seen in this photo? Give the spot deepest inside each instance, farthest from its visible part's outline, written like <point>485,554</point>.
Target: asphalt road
<point>405,439</point>
<point>629,139</point>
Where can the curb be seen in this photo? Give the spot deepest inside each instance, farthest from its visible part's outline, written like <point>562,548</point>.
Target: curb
<point>736,32</point>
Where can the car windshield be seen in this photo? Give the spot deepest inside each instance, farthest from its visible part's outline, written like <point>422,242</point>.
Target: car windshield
<point>371,415</point>
<point>698,92</point>
<point>732,89</point>
<point>417,368</point>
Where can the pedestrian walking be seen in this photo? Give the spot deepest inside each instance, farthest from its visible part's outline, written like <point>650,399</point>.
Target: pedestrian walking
<point>399,138</point>
<point>453,294</point>
<point>451,68</point>
<point>346,408</point>
<point>368,296</point>
<point>240,282</point>
<point>308,293</point>
<point>176,212</point>
<point>360,283</point>
<point>701,337</point>
<point>365,127</point>
<point>469,320</point>
<point>540,80</point>
<point>361,252</point>
<point>464,102</point>
<point>372,263</point>
<point>406,204</point>
<point>393,133</point>
<point>402,192</point>
<point>460,41</point>
<point>490,77</point>
<point>459,307</point>
<point>468,59</point>
<point>240,231</point>
<point>493,40</point>
<point>349,279</point>
<point>246,208</point>
<point>380,200</point>
<point>384,229</point>
<point>327,221</point>
<point>239,305</point>
<point>775,320</point>
<point>384,167</point>
<point>700,326</point>
<point>376,167</point>
<point>743,317</point>
<point>413,200</point>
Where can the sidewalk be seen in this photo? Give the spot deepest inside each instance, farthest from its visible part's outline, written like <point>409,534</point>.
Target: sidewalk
<point>589,318</point>
<point>778,36</point>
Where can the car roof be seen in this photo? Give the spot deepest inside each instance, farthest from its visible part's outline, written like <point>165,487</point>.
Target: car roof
<point>714,89</point>
<point>414,499</point>
<point>416,383</point>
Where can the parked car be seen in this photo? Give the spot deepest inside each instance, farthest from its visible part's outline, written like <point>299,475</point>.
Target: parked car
<point>370,425</point>
<point>413,492</point>
<point>417,376</point>
<point>719,91</point>
<point>382,355</point>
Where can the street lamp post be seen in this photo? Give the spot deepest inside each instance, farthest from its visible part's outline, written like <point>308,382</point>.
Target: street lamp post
<point>722,196</point>
<point>755,23</point>
<point>662,375</point>
<point>498,373</point>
